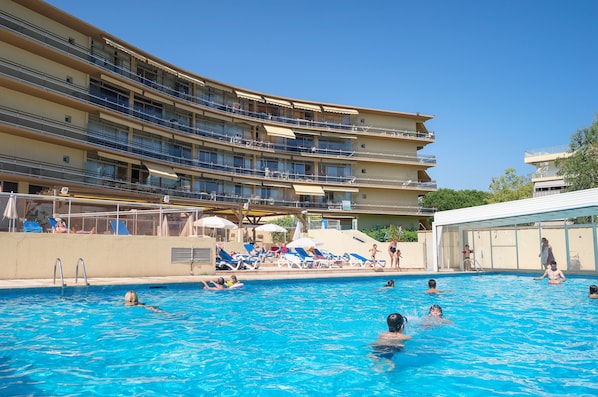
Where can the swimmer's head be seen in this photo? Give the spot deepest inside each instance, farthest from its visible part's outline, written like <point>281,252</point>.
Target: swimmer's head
<point>395,322</point>
<point>131,298</point>
<point>233,278</point>
<point>220,281</point>
<point>390,283</point>
<point>432,283</point>
<point>553,264</point>
<point>593,289</point>
<point>435,310</point>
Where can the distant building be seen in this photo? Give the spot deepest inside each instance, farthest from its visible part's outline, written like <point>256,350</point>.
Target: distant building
<point>545,178</point>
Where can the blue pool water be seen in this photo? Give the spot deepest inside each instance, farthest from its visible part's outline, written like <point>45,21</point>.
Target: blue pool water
<point>509,335</point>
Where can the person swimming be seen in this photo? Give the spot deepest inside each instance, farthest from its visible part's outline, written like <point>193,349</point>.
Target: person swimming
<point>391,342</point>
<point>216,285</point>
<point>132,299</point>
<point>389,284</point>
<point>435,317</point>
<point>593,292</point>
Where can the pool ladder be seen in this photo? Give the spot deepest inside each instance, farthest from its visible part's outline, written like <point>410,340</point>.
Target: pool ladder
<point>58,264</point>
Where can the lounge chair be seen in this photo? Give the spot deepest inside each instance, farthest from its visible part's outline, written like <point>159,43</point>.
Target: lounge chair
<point>361,261</point>
<point>335,260</point>
<point>228,262</point>
<point>32,227</point>
<point>310,261</point>
<point>119,228</point>
<point>291,261</point>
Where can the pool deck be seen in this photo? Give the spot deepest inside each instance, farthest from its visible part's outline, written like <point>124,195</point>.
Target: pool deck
<point>267,272</point>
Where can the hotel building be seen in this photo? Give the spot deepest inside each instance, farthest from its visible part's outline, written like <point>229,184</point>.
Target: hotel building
<point>545,178</point>
<point>83,110</point>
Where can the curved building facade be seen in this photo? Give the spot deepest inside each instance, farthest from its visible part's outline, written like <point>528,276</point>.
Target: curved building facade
<point>82,109</point>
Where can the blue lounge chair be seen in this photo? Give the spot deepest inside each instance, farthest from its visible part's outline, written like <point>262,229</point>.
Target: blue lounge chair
<point>119,228</point>
<point>32,227</point>
<point>307,259</point>
<point>227,262</point>
<point>361,261</point>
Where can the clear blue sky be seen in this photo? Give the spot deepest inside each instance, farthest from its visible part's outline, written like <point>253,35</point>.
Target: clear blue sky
<point>500,76</point>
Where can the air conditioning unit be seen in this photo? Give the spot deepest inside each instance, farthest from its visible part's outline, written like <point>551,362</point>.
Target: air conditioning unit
<point>64,190</point>
<point>166,199</point>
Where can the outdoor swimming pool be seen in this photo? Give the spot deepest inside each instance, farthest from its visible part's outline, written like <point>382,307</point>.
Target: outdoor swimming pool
<point>510,336</point>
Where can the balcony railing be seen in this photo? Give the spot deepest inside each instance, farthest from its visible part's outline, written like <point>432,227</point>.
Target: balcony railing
<point>68,176</point>
<point>98,140</point>
<point>50,83</point>
<point>60,44</point>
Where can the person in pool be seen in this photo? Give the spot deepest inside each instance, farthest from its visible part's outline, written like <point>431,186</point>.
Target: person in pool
<point>233,280</point>
<point>391,342</point>
<point>216,285</point>
<point>389,284</point>
<point>132,299</point>
<point>432,287</point>
<point>593,292</point>
<point>435,317</point>
<point>555,276</point>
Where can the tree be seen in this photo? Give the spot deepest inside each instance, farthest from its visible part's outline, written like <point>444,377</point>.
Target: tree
<point>580,169</point>
<point>510,187</point>
<point>449,199</point>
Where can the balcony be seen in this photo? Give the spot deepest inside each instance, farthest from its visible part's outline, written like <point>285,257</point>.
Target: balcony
<point>47,39</point>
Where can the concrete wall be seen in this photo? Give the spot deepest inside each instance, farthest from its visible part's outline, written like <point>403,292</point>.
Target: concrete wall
<point>33,255</point>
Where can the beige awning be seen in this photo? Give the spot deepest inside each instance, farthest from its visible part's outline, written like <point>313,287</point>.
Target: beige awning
<point>341,189</point>
<point>279,131</point>
<point>307,106</point>
<point>161,171</point>
<point>309,190</point>
<point>278,102</point>
<point>125,49</point>
<point>332,109</point>
<point>118,158</point>
<point>163,67</point>
<point>247,95</point>
<point>192,79</point>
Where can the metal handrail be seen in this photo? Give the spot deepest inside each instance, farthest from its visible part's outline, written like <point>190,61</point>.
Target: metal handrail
<point>59,263</point>
<point>82,262</point>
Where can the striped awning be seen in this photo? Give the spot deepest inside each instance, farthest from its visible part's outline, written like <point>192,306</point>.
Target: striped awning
<point>332,109</point>
<point>247,95</point>
<point>161,171</point>
<point>309,190</point>
<point>278,102</point>
<point>307,106</point>
<point>279,131</point>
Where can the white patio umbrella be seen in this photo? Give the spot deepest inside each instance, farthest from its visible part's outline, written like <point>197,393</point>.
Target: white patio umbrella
<point>10,212</point>
<point>304,242</point>
<point>215,222</point>
<point>271,227</point>
<point>298,230</point>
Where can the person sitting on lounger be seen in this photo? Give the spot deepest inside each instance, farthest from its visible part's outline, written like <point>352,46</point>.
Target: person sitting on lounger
<point>60,226</point>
